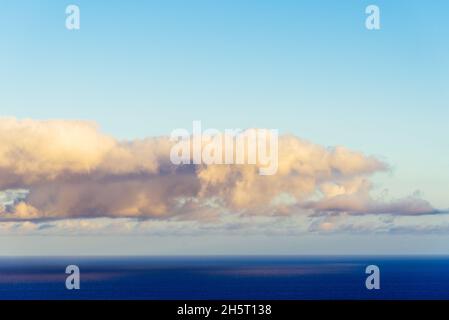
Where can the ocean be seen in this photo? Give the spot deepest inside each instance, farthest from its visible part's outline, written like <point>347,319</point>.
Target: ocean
<point>230,277</point>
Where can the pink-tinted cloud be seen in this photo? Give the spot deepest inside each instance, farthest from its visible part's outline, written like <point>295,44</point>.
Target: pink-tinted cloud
<point>72,170</point>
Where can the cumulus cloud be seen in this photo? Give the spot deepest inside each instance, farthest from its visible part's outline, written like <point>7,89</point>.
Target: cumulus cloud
<point>58,169</point>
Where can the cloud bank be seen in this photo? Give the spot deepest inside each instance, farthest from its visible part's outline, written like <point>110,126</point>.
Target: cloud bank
<point>58,169</point>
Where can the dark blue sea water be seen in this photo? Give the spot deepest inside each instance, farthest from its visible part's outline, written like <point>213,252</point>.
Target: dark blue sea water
<point>225,278</point>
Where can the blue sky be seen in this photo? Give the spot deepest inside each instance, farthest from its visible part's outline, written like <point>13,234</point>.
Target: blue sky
<point>309,68</point>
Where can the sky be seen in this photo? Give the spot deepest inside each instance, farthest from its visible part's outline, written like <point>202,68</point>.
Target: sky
<point>309,69</point>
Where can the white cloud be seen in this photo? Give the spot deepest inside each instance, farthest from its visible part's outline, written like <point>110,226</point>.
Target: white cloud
<point>73,171</point>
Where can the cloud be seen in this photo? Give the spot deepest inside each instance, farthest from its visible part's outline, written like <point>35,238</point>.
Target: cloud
<point>234,225</point>
<point>58,169</point>
<point>361,203</point>
<point>379,224</point>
